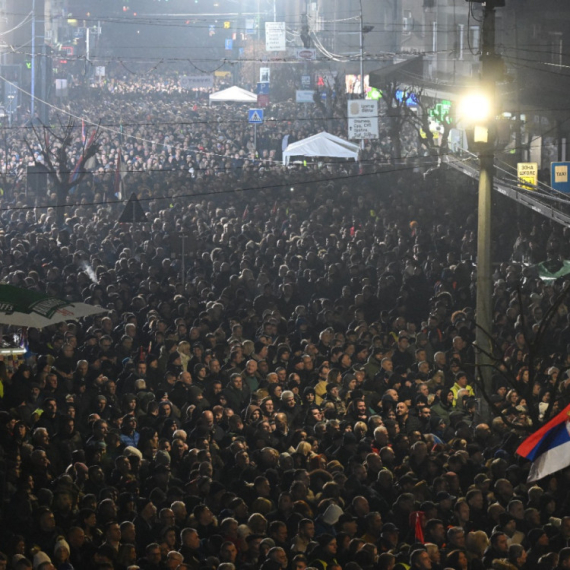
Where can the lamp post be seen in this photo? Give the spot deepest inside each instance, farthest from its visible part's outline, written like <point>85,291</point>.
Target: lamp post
<point>33,60</point>
<point>361,54</point>
<point>477,111</point>
<point>480,108</point>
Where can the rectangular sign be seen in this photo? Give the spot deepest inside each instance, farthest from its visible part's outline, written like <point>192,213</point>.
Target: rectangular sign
<point>263,88</point>
<point>255,116</point>
<point>263,100</point>
<point>306,54</point>
<point>527,175</point>
<point>61,87</point>
<point>305,81</point>
<point>229,44</point>
<point>304,96</point>
<point>100,71</point>
<point>264,74</point>
<point>275,36</point>
<point>560,177</point>
<point>363,109</point>
<point>363,129</point>
<point>196,81</point>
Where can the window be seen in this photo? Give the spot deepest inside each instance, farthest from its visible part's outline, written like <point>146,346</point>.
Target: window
<point>458,47</point>
<point>474,38</point>
<point>408,22</point>
<point>556,48</point>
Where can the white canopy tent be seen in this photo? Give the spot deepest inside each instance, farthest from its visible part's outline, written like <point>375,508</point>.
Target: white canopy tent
<point>233,94</point>
<point>322,145</point>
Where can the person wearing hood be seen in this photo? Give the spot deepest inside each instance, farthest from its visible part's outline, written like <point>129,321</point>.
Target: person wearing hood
<point>174,363</point>
<point>443,405</point>
<point>308,398</point>
<point>324,555</point>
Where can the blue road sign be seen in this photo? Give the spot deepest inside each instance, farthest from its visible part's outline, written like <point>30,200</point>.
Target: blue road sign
<point>255,116</point>
<point>229,44</point>
<point>263,88</point>
<point>560,176</point>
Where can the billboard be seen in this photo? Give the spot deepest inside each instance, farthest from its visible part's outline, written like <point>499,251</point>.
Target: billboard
<point>196,81</point>
<point>275,36</point>
<point>353,84</point>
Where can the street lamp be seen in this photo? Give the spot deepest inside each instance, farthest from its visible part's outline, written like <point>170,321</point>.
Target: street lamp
<point>475,107</point>
<point>477,111</point>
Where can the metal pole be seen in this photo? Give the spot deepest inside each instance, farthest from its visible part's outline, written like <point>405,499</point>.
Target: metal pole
<point>274,11</point>
<point>484,313</point>
<point>361,55</point>
<point>255,138</point>
<point>33,82</point>
<point>484,281</point>
<point>361,63</point>
<point>183,235</point>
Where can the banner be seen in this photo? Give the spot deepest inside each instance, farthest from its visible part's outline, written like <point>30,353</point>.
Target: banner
<point>196,81</point>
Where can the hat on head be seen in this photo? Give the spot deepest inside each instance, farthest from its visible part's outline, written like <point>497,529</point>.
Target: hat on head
<point>61,543</point>
<point>346,517</point>
<point>534,535</point>
<point>267,542</point>
<point>348,438</point>
<point>162,458</point>
<point>326,538</point>
<point>131,451</point>
<point>16,558</point>
<point>444,496</point>
<point>41,557</point>
<point>389,527</point>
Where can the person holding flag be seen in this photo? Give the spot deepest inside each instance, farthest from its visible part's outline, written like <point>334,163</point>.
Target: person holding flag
<point>549,447</point>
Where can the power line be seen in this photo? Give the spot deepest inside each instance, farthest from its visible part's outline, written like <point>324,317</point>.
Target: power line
<point>288,184</point>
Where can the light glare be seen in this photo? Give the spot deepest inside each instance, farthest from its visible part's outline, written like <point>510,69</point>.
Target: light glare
<point>475,107</point>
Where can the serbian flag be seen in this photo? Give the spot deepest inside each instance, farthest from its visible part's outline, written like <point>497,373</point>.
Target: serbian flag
<point>549,447</point>
<point>74,175</point>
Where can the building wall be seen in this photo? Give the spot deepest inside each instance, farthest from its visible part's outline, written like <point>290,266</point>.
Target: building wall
<point>448,35</point>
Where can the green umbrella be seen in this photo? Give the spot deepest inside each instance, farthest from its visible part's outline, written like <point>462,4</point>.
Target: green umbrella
<point>25,308</point>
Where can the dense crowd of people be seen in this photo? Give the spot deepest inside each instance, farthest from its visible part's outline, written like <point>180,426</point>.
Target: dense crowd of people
<point>297,389</point>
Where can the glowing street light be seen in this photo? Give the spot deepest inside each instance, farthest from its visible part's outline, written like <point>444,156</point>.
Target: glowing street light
<point>475,108</point>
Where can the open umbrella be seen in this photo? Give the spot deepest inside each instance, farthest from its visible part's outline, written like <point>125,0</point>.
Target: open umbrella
<point>25,308</point>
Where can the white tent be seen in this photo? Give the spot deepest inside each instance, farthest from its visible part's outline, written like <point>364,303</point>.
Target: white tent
<point>233,95</point>
<point>322,145</point>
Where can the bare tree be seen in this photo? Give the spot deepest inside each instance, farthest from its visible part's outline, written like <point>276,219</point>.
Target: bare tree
<point>333,108</point>
<point>420,122</point>
<point>55,150</point>
<point>536,346</point>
